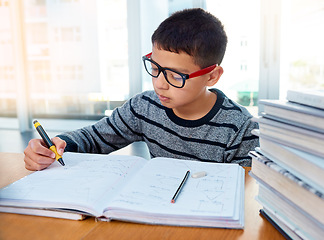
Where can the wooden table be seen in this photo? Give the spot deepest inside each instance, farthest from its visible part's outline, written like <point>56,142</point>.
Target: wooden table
<point>14,226</point>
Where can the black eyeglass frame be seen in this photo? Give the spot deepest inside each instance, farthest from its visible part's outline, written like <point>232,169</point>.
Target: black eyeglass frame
<point>183,75</point>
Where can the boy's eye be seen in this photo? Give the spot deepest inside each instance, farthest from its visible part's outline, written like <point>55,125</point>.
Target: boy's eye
<point>176,76</point>
<point>154,69</point>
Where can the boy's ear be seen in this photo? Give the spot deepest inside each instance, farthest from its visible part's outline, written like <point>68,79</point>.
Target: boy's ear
<point>214,76</point>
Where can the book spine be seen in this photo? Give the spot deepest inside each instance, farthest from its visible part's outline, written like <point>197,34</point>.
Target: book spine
<point>286,174</point>
<point>274,223</point>
<point>304,140</point>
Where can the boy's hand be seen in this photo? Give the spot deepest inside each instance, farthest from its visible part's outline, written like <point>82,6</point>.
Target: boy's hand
<point>38,156</point>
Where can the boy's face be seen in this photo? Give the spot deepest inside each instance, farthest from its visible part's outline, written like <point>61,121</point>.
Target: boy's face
<point>193,95</point>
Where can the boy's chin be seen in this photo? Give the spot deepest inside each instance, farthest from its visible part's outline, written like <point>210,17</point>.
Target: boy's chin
<point>167,104</point>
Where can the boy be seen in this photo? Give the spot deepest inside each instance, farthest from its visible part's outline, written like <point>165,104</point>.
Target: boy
<point>181,118</point>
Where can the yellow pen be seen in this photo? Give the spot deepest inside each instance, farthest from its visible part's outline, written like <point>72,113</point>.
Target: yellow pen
<point>48,141</point>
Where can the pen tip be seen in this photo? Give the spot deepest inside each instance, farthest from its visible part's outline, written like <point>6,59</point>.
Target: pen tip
<point>60,160</point>
<point>35,121</point>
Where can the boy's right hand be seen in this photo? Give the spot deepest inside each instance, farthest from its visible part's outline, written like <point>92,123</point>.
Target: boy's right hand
<point>38,156</point>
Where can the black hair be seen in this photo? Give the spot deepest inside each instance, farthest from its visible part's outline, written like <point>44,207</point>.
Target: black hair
<point>195,32</point>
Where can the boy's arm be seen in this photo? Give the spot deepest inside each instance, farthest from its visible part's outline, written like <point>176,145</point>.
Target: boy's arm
<point>243,142</point>
<point>107,135</point>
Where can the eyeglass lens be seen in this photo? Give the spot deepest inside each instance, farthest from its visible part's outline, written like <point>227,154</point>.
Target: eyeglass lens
<point>173,78</point>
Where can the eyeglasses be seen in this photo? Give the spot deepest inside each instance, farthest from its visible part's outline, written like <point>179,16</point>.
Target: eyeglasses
<point>174,78</point>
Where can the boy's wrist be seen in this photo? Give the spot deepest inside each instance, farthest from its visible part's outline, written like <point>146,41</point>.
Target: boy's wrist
<point>71,146</point>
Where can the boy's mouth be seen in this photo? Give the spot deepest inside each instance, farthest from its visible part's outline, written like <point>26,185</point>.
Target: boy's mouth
<point>163,98</point>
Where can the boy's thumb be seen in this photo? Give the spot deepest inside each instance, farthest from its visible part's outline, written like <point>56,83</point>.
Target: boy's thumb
<point>59,144</point>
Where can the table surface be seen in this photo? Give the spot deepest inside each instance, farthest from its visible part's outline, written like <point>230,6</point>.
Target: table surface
<point>14,226</point>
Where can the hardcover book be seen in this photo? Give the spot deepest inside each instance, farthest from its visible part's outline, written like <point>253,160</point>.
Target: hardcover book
<point>310,97</point>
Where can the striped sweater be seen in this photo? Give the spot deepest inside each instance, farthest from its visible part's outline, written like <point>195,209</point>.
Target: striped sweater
<point>223,135</point>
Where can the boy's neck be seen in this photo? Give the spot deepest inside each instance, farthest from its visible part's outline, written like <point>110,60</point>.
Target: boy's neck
<point>198,109</point>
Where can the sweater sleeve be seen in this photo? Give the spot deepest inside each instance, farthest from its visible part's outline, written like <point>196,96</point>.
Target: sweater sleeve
<point>240,145</point>
<point>107,135</point>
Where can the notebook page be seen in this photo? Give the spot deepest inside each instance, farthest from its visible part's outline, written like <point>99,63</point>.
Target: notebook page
<point>151,190</point>
<point>85,180</point>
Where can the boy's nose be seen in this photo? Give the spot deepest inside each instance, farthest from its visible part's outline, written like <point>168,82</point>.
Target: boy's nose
<point>160,82</point>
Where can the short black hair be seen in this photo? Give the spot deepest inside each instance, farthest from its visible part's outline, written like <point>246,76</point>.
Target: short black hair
<point>195,32</point>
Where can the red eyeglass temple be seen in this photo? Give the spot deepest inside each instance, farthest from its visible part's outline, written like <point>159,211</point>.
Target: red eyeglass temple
<point>197,73</point>
<point>202,71</point>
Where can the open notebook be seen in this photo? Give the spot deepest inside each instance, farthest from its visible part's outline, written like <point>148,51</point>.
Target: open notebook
<point>130,188</point>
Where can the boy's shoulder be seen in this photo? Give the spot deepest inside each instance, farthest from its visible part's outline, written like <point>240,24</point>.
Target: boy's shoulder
<point>146,101</point>
<point>229,107</point>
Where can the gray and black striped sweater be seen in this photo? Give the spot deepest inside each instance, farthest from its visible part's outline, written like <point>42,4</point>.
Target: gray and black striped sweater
<point>223,135</point>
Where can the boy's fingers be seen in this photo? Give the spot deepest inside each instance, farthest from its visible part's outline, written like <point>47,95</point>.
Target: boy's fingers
<point>31,165</point>
<point>38,146</point>
<point>34,161</point>
<point>31,156</point>
<point>59,144</point>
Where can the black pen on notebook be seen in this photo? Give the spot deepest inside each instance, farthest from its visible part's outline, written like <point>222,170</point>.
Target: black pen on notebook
<point>48,141</point>
<point>180,187</point>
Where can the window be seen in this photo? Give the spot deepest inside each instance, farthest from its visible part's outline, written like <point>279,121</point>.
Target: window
<point>241,61</point>
<point>73,52</point>
<point>39,74</point>
<point>7,72</point>
<point>68,34</point>
<point>4,3</point>
<point>81,59</point>
<point>35,9</point>
<point>302,49</point>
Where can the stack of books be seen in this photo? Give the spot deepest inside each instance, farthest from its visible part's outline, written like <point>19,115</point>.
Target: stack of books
<point>289,164</point>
